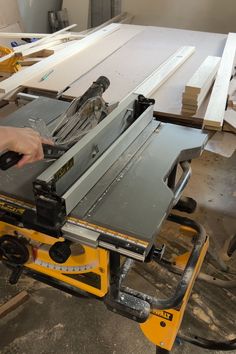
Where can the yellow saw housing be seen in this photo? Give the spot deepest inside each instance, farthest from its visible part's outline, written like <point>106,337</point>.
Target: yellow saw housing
<point>86,268</point>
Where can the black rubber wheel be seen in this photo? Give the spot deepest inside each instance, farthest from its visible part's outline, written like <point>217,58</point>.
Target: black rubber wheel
<point>186,205</point>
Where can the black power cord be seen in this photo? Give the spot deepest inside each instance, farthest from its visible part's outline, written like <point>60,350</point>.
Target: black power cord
<point>209,344</point>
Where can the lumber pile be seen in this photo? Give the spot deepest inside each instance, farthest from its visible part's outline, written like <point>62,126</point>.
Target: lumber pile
<point>30,48</point>
<point>214,116</point>
<point>199,85</point>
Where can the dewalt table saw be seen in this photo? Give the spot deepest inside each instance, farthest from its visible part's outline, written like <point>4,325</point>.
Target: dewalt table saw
<point>80,221</point>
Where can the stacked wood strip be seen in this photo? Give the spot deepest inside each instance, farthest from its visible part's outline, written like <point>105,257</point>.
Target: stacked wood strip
<point>199,85</point>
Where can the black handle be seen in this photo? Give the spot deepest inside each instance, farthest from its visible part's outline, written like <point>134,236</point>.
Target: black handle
<point>9,159</point>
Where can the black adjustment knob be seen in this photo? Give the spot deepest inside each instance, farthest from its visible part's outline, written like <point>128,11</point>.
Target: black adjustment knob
<point>104,82</point>
<point>60,251</point>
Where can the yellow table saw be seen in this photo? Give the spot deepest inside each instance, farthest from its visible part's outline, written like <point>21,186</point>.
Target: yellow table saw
<point>79,222</point>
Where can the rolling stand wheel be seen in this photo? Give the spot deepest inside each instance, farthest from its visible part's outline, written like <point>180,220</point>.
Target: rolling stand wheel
<point>161,351</point>
<point>186,205</point>
<point>232,246</point>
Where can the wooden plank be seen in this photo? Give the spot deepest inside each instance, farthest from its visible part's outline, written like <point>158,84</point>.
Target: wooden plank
<point>78,65</point>
<point>164,71</point>
<point>43,53</point>
<point>44,39</point>
<point>29,61</point>
<point>18,51</point>
<point>204,74</point>
<point>13,303</point>
<point>216,108</point>
<point>199,85</point>
<point>32,52</point>
<point>198,101</point>
<point>19,35</point>
<point>41,68</point>
<point>21,51</point>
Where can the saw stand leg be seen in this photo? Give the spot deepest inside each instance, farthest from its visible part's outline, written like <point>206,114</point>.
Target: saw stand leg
<point>184,204</point>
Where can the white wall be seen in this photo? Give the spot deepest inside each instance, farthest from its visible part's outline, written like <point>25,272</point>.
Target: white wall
<point>202,15</point>
<point>34,14</point>
<point>9,13</point>
<point>77,13</point>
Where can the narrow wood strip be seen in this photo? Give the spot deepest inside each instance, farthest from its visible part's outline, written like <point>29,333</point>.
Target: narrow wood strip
<point>34,50</point>
<point>164,71</point>
<point>199,85</point>
<point>203,75</point>
<point>18,51</point>
<point>201,96</point>
<point>44,39</point>
<point>215,112</point>
<point>15,35</point>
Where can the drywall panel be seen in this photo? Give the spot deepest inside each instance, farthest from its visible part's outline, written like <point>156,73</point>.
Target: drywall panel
<point>201,15</point>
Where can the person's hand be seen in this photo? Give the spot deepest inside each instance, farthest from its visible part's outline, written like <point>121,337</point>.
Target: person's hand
<point>25,141</point>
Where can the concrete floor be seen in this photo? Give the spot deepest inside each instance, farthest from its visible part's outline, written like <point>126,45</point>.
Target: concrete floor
<point>54,322</point>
